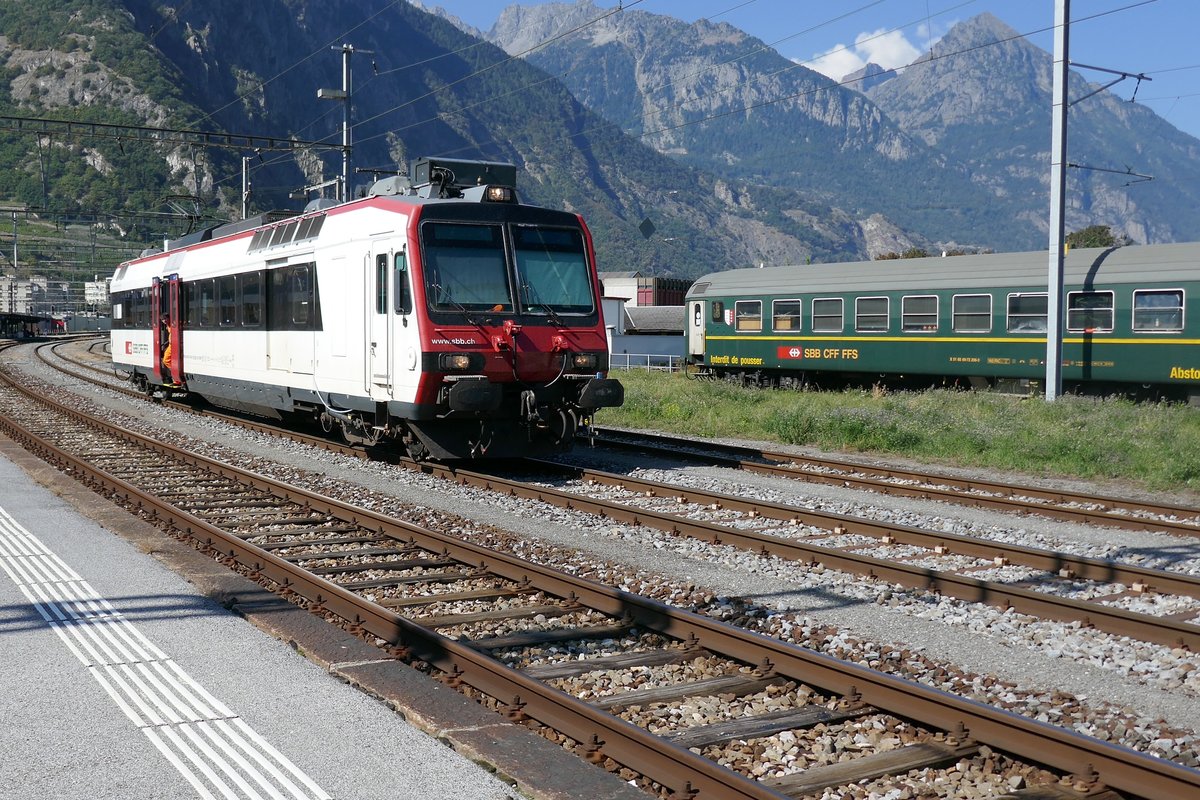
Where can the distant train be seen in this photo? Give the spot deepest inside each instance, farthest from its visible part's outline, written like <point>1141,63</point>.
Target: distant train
<point>438,312</point>
<point>1131,322</point>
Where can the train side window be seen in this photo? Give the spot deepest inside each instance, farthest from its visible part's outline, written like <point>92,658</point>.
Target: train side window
<point>250,289</point>
<point>381,283</point>
<point>191,304</point>
<point>141,308</point>
<point>403,295</point>
<point>227,301</point>
<point>1158,310</point>
<point>827,315</point>
<point>919,313</point>
<point>118,314</point>
<point>871,314</point>
<point>208,303</point>
<point>747,315</point>
<point>1028,313</point>
<point>971,313</point>
<point>300,297</point>
<point>785,315</point>
<point>1089,311</point>
<point>718,311</point>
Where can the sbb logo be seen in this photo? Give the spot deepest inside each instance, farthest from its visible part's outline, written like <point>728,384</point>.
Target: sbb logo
<point>790,352</point>
<point>128,348</point>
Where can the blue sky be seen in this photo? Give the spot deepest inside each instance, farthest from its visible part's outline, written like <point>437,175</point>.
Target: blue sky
<point>1155,37</point>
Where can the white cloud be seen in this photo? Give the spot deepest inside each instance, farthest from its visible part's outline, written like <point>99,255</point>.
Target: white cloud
<point>888,49</point>
<point>836,62</point>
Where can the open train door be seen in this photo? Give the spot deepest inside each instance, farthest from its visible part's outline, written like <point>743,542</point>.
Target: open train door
<point>166,300</point>
<point>695,330</point>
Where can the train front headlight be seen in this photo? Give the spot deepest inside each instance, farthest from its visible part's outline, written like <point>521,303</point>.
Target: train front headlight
<point>460,362</point>
<point>584,362</point>
<point>498,194</point>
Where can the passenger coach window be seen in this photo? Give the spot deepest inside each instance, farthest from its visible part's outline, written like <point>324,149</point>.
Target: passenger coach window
<point>871,314</point>
<point>827,315</point>
<point>748,315</point>
<point>785,315</point>
<point>1158,311</point>
<point>919,313</point>
<point>208,303</point>
<point>300,295</point>
<point>250,289</point>
<point>718,311</point>
<point>1027,313</point>
<point>227,300</point>
<point>972,313</point>
<point>1089,311</point>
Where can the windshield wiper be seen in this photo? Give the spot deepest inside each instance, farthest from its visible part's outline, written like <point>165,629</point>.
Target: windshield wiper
<point>446,298</point>
<point>551,313</point>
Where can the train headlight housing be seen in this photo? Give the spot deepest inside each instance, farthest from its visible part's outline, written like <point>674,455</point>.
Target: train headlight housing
<point>584,362</point>
<point>498,194</point>
<point>460,362</point>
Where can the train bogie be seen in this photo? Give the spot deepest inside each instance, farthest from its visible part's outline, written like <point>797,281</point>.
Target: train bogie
<point>454,320</point>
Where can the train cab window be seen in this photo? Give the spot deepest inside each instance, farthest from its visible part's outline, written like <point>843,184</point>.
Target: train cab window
<point>1089,311</point>
<point>972,313</point>
<point>381,283</point>
<point>785,315</point>
<point>227,301</point>
<point>718,311</point>
<point>827,315</point>
<point>1158,310</point>
<point>747,315</point>
<point>1028,313</point>
<point>871,314</point>
<point>919,313</point>
<point>403,292</point>
<point>118,314</point>
<point>465,267</point>
<point>251,293</point>
<point>552,270</point>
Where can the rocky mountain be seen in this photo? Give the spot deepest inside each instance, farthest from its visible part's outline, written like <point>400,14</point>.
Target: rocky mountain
<point>715,98</point>
<point>955,148</point>
<point>421,87</point>
<point>982,96</point>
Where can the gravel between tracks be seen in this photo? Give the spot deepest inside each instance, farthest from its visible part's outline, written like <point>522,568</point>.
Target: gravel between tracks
<point>1143,696</point>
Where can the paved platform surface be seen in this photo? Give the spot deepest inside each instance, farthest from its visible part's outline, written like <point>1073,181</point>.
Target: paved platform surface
<point>130,671</point>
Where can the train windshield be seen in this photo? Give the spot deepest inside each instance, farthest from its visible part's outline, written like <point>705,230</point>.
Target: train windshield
<point>465,268</point>
<point>553,272</point>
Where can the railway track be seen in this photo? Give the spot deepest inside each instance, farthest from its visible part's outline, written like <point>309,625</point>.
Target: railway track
<point>540,643</point>
<point>1082,507</point>
<point>1152,605</point>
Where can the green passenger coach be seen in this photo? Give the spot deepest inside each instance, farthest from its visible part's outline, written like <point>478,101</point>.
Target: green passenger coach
<point>1129,322</point>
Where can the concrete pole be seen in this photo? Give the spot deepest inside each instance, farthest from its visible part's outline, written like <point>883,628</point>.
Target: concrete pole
<point>1058,180</point>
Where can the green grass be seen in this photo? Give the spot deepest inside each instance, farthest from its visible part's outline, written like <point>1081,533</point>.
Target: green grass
<point>1153,445</point>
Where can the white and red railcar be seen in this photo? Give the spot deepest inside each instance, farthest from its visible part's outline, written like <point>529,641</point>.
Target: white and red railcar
<point>440,313</point>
